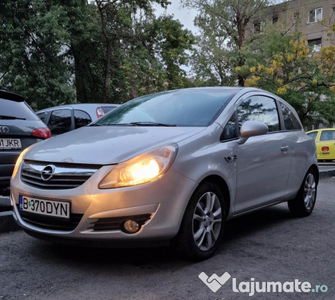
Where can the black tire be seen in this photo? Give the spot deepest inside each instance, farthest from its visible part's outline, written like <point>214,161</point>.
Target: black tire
<point>203,223</point>
<point>304,202</point>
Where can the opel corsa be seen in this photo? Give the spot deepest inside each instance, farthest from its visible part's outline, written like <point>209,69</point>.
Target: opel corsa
<point>172,166</point>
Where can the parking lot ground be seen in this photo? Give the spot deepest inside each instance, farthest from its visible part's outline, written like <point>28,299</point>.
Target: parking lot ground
<point>266,246</point>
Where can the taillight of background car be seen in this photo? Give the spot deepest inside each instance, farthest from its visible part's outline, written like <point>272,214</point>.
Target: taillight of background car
<point>100,112</point>
<point>43,133</point>
<point>325,149</point>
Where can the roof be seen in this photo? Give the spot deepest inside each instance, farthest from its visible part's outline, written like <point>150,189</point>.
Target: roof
<point>11,96</point>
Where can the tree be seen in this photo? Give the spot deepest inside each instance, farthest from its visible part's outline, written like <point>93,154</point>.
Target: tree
<point>116,20</point>
<point>285,65</point>
<point>63,51</point>
<point>85,53</point>
<point>153,63</point>
<point>223,25</point>
<point>31,52</point>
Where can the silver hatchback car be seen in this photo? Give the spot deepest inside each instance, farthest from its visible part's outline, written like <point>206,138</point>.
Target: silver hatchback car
<point>172,166</point>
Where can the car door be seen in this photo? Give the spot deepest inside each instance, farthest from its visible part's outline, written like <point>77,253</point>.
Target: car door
<point>263,162</point>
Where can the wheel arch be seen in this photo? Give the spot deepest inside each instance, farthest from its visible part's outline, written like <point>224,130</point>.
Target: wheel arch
<point>222,185</point>
<point>316,170</point>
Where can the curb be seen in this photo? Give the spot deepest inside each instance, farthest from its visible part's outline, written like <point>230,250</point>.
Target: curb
<point>8,224</point>
<point>325,174</point>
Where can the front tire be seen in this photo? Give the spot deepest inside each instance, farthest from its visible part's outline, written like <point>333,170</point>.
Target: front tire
<point>303,204</point>
<point>202,226</point>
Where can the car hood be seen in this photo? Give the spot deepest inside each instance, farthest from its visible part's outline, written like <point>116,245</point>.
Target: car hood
<point>106,145</point>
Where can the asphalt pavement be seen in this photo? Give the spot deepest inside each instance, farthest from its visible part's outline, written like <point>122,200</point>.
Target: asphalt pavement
<point>264,255</point>
<point>8,224</point>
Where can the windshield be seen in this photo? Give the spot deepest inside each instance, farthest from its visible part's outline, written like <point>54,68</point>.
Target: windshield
<point>189,107</point>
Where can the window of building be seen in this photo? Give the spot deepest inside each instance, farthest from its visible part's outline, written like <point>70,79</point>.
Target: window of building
<point>315,15</point>
<point>316,44</point>
<point>259,27</point>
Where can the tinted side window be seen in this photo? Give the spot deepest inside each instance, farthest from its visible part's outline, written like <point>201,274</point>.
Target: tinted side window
<point>42,116</point>
<point>312,135</point>
<point>290,121</point>
<point>60,121</point>
<point>81,118</point>
<point>327,135</point>
<point>259,108</point>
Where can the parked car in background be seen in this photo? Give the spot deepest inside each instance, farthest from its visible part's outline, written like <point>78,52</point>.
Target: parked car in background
<point>65,118</point>
<point>172,166</point>
<point>19,128</point>
<point>325,143</point>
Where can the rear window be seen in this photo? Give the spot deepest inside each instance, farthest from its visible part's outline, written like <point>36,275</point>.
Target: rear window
<point>16,110</point>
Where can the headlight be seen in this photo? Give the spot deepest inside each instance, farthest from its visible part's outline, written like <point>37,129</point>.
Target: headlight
<point>19,160</point>
<point>141,169</point>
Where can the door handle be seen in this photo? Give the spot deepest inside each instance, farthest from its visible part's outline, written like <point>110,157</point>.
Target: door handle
<point>284,148</point>
<point>231,158</point>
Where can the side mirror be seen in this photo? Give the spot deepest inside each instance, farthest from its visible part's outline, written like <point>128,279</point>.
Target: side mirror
<point>252,128</point>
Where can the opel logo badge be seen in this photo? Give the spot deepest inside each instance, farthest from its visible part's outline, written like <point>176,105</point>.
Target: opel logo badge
<point>48,172</point>
<point>4,129</point>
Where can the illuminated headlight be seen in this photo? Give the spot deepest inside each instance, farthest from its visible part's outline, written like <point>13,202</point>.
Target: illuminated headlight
<point>141,169</point>
<point>19,160</point>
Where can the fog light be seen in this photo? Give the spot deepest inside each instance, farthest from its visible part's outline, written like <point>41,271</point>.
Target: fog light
<point>131,226</point>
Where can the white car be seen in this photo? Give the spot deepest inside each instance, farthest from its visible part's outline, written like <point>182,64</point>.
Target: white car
<point>64,118</point>
<point>172,166</point>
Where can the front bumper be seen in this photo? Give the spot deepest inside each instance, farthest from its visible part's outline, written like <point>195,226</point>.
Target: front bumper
<point>98,214</point>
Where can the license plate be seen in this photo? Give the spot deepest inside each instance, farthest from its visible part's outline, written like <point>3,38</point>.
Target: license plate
<point>45,207</point>
<point>6,144</point>
<point>325,153</point>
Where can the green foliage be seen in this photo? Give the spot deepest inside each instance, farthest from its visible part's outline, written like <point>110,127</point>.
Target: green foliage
<point>223,25</point>
<point>285,65</point>
<point>31,47</point>
<point>54,52</point>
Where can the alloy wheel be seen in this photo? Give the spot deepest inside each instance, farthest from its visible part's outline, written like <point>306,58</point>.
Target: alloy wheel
<point>207,220</point>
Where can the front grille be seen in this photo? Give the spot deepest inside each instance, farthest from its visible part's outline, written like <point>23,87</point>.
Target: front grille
<point>51,223</point>
<point>56,176</point>
<point>107,224</point>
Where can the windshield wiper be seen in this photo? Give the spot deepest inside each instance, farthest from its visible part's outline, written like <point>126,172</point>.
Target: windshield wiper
<point>11,118</point>
<point>152,124</point>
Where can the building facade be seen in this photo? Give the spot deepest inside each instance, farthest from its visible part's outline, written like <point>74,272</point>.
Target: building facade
<point>312,18</point>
